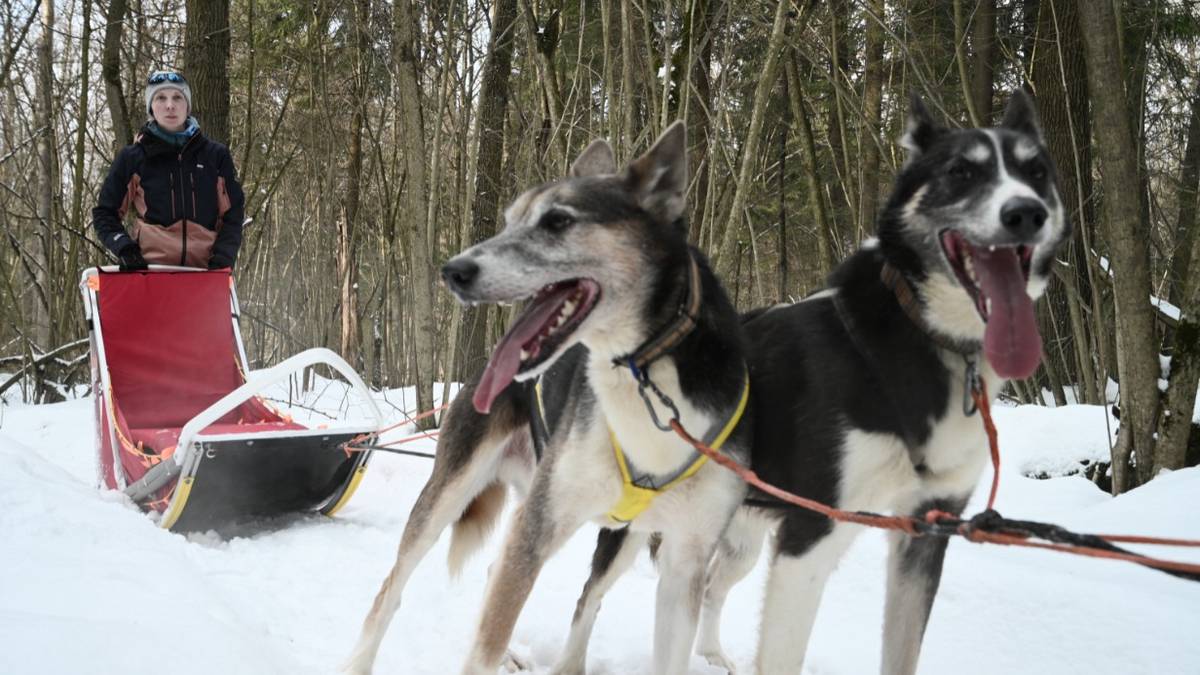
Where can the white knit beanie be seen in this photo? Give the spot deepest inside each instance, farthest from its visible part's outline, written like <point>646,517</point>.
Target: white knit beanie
<point>166,79</point>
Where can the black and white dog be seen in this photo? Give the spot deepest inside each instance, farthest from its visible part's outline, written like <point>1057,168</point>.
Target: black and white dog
<point>862,391</point>
<point>605,264</point>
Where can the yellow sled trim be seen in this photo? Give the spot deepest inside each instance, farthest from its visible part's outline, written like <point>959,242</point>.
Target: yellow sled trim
<point>358,476</point>
<point>182,492</point>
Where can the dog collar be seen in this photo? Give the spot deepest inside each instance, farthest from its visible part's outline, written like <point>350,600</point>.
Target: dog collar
<point>968,350</point>
<point>673,333</point>
<point>907,299</point>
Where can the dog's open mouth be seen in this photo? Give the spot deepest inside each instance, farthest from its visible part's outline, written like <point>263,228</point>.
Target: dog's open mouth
<point>995,277</point>
<point>543,326</point>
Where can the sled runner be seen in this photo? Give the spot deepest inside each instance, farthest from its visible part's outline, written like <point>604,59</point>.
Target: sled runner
<point>179,428</point>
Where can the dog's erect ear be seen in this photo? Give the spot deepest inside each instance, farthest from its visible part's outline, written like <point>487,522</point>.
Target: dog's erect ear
<point>1021,115</point>
<point>659,177</point>
<point>595,160</point>
<point>921,129</point>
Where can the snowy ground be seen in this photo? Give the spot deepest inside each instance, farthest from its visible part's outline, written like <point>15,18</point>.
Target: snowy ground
<point>89,585</point>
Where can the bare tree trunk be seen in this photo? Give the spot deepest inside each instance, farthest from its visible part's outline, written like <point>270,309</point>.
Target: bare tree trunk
<point>1090,377</point>
<point>1189,201</point>
<point>701,14</point>
<point>1134,20</point>
<point>347,249</point>
<point>983,57</point>
<point>140,65</point>
<point>781,293</point>
<point>206,64</point>
<point>628,90</point>
<point>1175,423</point>
<point>612,115</point>
<point>1117,150</point>
<point>456,159</point>
<point>841,187</point>
<point>12,49</point>
<point>874,13</point>
<point>248,130</point>
<point>47,182</point>
<point>672,77</point>
<point>1050,328</point>
<point>726,255</point>
<point>543,41</point>
<point>493,107</point>
<point>960,59</point>
<point>812,176</point>
<point>414,202</point>
<point>644,49</point>
<point>930,49</point>
<point>111,72</point>
<point>64,308</point>
<point>1059,77</point>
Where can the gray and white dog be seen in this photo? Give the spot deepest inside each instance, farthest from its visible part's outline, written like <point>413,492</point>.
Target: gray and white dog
<point>604,261</point>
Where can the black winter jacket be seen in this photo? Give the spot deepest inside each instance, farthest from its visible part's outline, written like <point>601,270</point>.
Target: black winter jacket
<point>191,183</point>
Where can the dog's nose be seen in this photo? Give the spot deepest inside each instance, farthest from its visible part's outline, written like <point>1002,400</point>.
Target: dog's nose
<point>459,273</point>
<point>1023,216</point>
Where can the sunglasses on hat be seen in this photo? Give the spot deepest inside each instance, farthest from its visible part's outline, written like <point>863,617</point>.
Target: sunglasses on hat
<point>158,78</point>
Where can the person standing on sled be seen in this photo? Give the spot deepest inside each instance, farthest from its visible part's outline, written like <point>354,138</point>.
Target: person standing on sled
<point>181,186</point>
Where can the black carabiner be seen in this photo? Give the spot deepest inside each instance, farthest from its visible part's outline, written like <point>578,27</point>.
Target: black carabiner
<point>643,382</point>
<point>972,385</point>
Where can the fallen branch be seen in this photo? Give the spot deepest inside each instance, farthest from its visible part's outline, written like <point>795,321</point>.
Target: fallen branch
<point>28,367</point>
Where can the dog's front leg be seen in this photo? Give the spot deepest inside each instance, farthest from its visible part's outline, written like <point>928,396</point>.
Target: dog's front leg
<point>803,562</point>
<point>450,489</point>
<point>537,531</point>
<point>683,562</point>
<point>435,509</point>
<point>914,572</point>
<point>616,550</point>
<point>734,558</point>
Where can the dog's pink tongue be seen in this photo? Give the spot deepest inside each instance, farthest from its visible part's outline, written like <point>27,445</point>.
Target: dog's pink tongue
<point>1011,341</point>
<point>506,359</point>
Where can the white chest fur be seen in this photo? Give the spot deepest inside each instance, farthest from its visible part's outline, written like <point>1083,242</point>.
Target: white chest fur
<point>587,472</point>
<point>877,472</point>
<point>650,449</point>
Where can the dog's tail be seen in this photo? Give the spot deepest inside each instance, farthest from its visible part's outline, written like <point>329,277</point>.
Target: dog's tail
<point>471,530</point>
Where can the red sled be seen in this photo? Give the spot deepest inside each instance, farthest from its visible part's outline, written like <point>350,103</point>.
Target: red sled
<point>180,430</point>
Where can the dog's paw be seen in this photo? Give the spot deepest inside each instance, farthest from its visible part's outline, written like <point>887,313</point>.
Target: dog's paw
<point>563,668</point>
<point>354,667</point>
<point>717,659</point>
<point>513,663</point>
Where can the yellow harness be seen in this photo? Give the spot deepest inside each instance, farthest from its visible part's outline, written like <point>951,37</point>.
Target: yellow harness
<point>637,498</point>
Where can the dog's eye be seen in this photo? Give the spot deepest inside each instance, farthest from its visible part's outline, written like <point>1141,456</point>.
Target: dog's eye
<point>555,221</point>
<point>1036,170</point>
<point>962,171</point>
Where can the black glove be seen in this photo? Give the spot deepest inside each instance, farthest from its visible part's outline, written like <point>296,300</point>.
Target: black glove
<point>219,262</point>
<point>132,260</point>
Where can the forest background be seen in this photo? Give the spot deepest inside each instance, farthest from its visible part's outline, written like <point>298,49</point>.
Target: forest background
<point>375,138</point>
